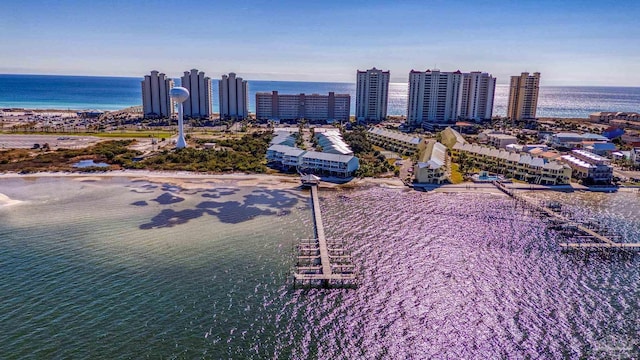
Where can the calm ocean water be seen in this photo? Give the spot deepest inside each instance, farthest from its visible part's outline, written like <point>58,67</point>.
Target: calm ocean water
<point>109,93</point>
<point>161,271</point>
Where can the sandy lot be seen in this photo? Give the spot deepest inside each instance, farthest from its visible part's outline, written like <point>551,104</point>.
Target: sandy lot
<point>16,141</point>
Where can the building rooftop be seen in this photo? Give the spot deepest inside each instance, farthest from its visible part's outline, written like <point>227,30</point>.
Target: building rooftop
<point>590,155</point>
<point>327,156</point>
<point>332,142</point>
<point>434,159</point>
<point>396,135</point>
<point>576,161</point>
<point>286,150</point>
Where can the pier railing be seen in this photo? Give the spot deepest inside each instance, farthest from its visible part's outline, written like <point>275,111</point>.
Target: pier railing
<point>321,261</point>
<point>592,237</point>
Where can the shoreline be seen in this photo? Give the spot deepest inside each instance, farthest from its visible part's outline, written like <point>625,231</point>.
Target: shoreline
<point>20,111</point>
<point>280,181</point>
<point>185,179</point>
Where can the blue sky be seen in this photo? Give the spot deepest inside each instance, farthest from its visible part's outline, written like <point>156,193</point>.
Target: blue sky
<point>569,42</point>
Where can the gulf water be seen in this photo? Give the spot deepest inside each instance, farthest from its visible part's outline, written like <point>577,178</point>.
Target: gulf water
<point>114,268</point>
<point>112,93</point>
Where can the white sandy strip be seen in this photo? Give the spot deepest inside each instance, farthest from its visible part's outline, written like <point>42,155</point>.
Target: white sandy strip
<point>188,179</point>
<point>7,201</point>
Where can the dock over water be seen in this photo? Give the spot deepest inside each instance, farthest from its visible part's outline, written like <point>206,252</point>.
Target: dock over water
<point>321,261</point>
<point>598,240</point>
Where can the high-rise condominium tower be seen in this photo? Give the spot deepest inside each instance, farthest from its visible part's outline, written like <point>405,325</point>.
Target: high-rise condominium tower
<point>478,90</point>
<point>234,97</point>
<point>198,105</point>
<point>155,95</point>
<point>372,93</point>
<point>437,97</point>
<point>523,96</point>
<point>434,96</point>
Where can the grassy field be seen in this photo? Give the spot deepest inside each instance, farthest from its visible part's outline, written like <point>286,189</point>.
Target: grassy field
<point>132,134</point>
<point>456,175</point>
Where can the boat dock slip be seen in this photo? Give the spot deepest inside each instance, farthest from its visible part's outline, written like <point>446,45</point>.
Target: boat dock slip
<point>599,240</point>
<point>322,261</point>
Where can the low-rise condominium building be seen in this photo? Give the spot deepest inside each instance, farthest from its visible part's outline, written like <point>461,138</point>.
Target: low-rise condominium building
<point>519,166</point>
<point>606,116</point>
<point>340,162</point>
<point>589,167</point>
<point>431,168</point>
<point>315,108</point>
<point>501,140</point>
<point>332,142</point>
<point>394,140</point>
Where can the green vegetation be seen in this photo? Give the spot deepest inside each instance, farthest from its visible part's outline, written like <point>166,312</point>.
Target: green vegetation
<point>372,162</point>
<point>112,152</point>
<point>244,154</point>
<point>237,154</point>
<point>456,175</point>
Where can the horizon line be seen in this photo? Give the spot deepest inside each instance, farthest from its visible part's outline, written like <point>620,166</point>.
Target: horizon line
<point>298,81</point>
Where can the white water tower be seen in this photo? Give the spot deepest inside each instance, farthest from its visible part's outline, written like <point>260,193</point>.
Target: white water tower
<point>180,95</point>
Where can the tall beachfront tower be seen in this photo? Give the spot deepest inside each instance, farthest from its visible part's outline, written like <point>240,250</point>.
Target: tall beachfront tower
<point>234,97</point>
<point>523,96</point>
<point>199,87</point>
<point>372,94</point>
<point>155,95</point>
<point>478,90</point>
<point>434,97</point>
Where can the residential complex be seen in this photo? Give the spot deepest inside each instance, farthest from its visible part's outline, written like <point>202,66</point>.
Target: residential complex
<point>316,108</point>
<point>478,90</point>
<point>339,162</point>
<point>198,105</point>
<point>437,97</point>
<point>635,156</point>
<point>523,96</point>
<point>520,166</point>
<point>372,93</point>
<point>432,166</point>
<point>394,140</point>
<point>331,142</point>
<point>155,95</point>
<point>570,140</point>
<point>587,166</point>
<point>606,116</point>
<point>434,97</point>
<point>234,97</point>
<point>500,141</point>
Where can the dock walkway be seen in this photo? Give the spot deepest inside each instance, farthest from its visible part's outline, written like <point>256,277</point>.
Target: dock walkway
<point>603,242</point>
<point>323,261</point>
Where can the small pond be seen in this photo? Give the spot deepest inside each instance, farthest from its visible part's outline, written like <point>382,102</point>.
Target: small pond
<point>89,163</point>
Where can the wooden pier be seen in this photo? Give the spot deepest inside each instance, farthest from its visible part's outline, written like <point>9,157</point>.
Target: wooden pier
<point>321,261</point>
<point>598,241</point>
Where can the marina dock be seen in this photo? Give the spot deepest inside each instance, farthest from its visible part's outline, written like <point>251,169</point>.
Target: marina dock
<point>321,261</point>
<point>596,240</point>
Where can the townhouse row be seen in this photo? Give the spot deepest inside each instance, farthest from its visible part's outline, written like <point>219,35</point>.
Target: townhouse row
<point>519,166</point>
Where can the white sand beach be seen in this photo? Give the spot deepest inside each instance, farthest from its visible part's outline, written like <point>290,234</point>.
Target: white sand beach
<point>7,201</point>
